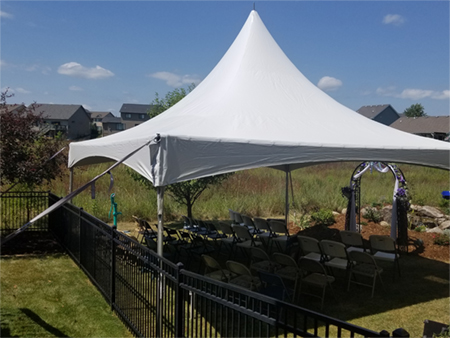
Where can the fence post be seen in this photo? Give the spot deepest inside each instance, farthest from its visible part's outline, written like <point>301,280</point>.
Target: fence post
<point>80,227</point>
<point>400,332</point>
<point>179,304</point>
<point>113,269</point>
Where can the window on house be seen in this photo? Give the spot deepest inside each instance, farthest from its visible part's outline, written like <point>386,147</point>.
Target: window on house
<point>128,116</point>
<point>119,126</point>
<point>142,116</point>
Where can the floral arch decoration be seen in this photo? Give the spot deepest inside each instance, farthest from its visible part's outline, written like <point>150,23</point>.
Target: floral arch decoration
<point>400,200</point>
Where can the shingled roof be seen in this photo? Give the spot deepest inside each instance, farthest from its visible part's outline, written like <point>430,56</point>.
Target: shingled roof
<point>135,108</point>
<point>372,111</point>
<point>423,125</point>
<point>57,111</point>
<point>98,114</point>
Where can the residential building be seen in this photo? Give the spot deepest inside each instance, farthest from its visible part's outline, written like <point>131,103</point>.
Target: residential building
<point>70,119</point>
<point>15,107</point>
<point>134,114</point>
<point>383,113</point>
<point>437,127</point>
<point>112,124</point>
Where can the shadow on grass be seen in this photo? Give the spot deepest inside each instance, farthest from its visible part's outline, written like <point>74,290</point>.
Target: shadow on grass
<point>38,320</point>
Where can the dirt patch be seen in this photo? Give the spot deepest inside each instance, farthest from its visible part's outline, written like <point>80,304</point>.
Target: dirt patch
<point>428,250</point>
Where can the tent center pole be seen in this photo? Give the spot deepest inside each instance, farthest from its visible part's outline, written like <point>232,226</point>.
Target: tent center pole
<point>70,183</point>
<point>160,197</point>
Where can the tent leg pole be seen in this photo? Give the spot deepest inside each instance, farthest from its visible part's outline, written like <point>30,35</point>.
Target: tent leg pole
<point>71,183</point>
<point>287,199</point>
<point>160,197</point>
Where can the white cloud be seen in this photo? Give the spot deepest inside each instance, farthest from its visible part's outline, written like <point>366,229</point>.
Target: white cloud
<point>77,70</point>
<point>328,83</point>
<point>175,80</point>
<point>38,68</point>
<point>76,88</point>
<point>6,15</point>
<point>414,94</point>
<point>393,19</point>
<point>22,91</point>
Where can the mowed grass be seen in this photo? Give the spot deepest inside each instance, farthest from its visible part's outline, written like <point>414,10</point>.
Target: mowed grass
<point>257,192</point>
<point>49,296</point>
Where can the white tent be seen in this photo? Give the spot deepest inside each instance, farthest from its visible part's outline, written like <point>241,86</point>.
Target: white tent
<point>255,109</point>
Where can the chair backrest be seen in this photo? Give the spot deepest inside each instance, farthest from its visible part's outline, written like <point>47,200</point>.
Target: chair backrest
<point>211,262</point>
<point>351,238</point>
<point>278,227</point>
<point>238,218</point>
<point>309,244</point>
<point>259,254</point>
<point>261,224</point>
<point>151,243</point>
<point>226,229</point>
<point>242,232</point>
<point>273,286</point>
<point>284,259</point>
<point>188,221</point>
<point>238,268</point>
<point>231,214</point>
<point>311,266</point>
<point>382,243</point>
<point>362,257</point>
<point>333,249</point>
<point>248,222</point>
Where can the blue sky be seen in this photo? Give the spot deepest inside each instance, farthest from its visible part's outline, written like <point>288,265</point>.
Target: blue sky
<point>105,53</point>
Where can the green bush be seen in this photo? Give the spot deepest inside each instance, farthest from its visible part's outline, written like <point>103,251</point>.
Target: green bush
<point>420,228</point>
<point>373,215</point>
<point>323,217</point>
<point>445,206</point>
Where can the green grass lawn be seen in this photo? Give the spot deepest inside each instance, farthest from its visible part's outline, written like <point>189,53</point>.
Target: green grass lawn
<point>49,296</point>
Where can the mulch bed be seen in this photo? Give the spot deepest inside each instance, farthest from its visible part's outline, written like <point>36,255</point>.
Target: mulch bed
<point>31,243</point>
<point>428,250</point>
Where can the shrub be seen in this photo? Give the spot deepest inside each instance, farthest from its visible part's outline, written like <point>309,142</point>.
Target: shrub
<point>445,206</point>
<point>420,228</point>
<point>323,217</point>
<point>442,239</point>
<point>373,215</point>
<point>363,223</point>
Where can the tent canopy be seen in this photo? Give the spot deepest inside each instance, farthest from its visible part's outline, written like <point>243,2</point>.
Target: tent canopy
<point>255,109</point>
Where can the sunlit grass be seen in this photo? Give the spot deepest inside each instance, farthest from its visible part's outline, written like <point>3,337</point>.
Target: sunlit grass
<point>50,296</point>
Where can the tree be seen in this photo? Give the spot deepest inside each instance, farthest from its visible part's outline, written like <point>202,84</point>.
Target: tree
<point>415,110</point>
<point>188,192</point>
<point>24,153</point>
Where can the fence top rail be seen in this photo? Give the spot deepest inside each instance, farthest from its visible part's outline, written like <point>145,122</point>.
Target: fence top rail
<point>269,301</point>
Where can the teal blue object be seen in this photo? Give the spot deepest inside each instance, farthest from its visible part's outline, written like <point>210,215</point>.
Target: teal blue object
<point>114,210</point>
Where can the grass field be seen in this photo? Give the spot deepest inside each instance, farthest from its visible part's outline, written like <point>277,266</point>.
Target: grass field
<point>257,192</point>
<point>49,296</point>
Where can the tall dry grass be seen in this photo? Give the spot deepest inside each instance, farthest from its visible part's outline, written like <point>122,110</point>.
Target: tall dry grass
<point>257,192</point>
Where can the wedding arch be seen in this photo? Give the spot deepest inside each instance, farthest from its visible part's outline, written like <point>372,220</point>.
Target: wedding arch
<point>400,200</point>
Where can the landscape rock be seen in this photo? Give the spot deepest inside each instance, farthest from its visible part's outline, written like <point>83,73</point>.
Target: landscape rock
<point>435,230</point>
<point>344,211</point>
<point>385,224</point>
<point>386,212</point>
<point>335,213</point>
<point>444,225</point>
<point>431,212</point>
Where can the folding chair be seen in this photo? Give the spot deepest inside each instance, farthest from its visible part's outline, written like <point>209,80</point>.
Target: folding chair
<point>383,248</point>
<point>260,260</point>
<point>335,255</point>
<point>287,269</point>
<point>282,238</point>
<point>228,238</point>
<point>364,264</point>
<point>315,275</point>
<point>272,285</point>
<point>310,248</point>
<point>214,270</point>
<point>248,222</point>
<point>352,240</point>
<point>244,239</point>
<point>264,232</point>
<point>242,277</point>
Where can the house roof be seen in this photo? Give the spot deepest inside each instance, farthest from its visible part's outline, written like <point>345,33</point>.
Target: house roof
<point>111,119</point>
<point>98,114</point>
<point>135,108</point>
<point>372,111</point>
<point>58,111</point>
<point>14,107</point>
<point>423,125</point>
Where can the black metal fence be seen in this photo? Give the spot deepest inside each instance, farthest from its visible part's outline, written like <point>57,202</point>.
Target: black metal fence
<point>156,298</point>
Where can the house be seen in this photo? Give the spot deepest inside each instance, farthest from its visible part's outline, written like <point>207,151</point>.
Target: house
<point>437,127</point>
<point>15,108</point>
<point>112,124</point>
<point>134,114</point>
<point>106,122</point>
<point>383,113</point>
<point>70,119</point>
